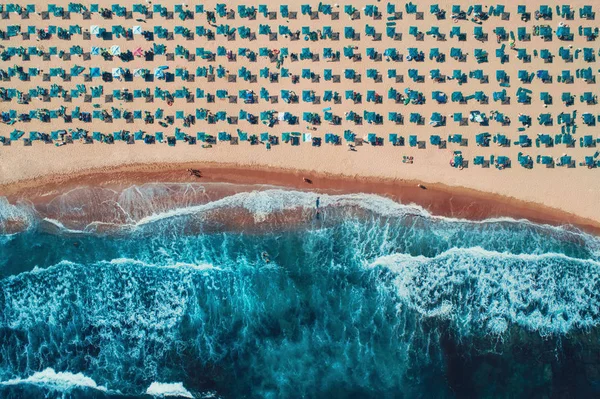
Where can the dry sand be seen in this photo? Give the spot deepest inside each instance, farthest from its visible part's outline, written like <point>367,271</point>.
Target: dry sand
<point>574,191</point>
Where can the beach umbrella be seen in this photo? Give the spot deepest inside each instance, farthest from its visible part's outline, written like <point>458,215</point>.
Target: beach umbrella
<point>115,50</point>
<point>95,50</point>
<point>158,71</point>
<point>95,72</point>
<point>137,30</point>
<point>95,30</point>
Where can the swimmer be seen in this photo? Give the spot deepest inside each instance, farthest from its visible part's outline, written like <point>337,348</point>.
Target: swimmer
<point>265,257</point>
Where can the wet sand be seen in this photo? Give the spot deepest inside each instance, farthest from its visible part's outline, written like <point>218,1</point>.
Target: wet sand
<point>438,199</point>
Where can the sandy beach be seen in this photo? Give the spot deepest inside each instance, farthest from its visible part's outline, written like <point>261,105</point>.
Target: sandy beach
<point>556,195</point>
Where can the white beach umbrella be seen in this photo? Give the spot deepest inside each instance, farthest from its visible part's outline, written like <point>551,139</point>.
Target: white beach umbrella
<point>115,50</point>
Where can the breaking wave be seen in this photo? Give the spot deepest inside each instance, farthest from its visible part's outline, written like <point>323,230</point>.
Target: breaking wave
<point>168,389</point>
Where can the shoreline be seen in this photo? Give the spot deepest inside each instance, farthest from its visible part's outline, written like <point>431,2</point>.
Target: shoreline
<point>438,199</point>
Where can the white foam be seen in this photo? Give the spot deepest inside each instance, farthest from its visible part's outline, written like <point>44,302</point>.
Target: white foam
<point>265,202</point>
<point>168,389</point>
<point>485,290</point>
<point>61,381</point>
<point>173,265</point>
<point>21,212</point>
<point>260,201</point>
<point>62,227</point>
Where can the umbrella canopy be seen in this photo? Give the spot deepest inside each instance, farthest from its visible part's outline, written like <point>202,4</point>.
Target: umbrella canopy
<point>95,72</point>
<point>115,50</point>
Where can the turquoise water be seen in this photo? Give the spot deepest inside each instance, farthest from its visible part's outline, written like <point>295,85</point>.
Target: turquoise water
<point>105,293</point>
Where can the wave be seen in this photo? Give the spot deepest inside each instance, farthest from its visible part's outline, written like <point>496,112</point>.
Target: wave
<point>478,289</point>
<point>168,389</point>
<point>85,208</point>
<point>15,218</point>
<point>61,381</point>
<point>141,208</point>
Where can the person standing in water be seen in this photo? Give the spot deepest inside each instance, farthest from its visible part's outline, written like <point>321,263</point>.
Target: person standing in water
<point>318,202</point>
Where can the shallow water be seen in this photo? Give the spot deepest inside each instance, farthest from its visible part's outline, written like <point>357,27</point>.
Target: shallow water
<point>234,291</point>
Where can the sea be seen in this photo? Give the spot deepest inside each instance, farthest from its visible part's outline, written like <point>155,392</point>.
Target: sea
<point>240,291</point>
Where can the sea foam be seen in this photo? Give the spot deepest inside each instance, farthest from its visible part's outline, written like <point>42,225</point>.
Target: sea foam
<point>549,293</point>
<point>61,381</point>
<point>161,389</point>
<point>15,217</point>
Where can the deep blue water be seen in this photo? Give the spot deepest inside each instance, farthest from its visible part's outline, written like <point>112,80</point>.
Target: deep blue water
<point>373,299</point>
